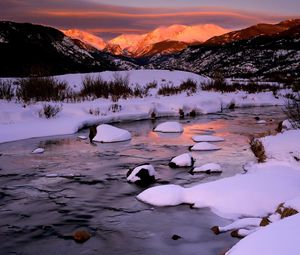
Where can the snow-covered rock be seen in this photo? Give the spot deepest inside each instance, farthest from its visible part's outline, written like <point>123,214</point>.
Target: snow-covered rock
<point>287,125</point>
<point>207,168</point>
<point>109,134</point>
<point>82,137</point>
<point>169,127</point>
<point>207,138</point>
<point>143,175</point>
<point>183,160</point>
<point>204,146</point>
<point>38,151</point>
<point>163,195</point>
<point>279,238</point>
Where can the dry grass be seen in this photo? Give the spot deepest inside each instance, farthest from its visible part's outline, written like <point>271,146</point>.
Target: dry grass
<point>258,149</point>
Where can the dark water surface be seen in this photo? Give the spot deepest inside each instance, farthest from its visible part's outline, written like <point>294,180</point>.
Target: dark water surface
<point>74,185</point>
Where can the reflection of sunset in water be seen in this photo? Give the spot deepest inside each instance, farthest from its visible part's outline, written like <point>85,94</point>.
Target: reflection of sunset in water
<point>217,127</point>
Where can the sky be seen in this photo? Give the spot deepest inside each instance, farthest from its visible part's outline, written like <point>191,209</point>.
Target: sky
<point>111,18</point>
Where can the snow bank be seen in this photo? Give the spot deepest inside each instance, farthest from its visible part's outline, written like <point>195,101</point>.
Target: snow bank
<point>204,146</point>
<point>207,138</point>
<point>109,134</point>
<point>169,127</point>
<point>20,122</point>
<point>284,146</point>
<point>278,238</point>
<point>255,194</point>
<point>183,160</point>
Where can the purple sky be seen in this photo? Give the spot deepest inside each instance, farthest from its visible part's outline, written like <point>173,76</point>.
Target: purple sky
<point>140,16</point>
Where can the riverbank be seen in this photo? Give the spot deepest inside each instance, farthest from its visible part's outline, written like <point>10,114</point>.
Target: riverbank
<point>22,121</point>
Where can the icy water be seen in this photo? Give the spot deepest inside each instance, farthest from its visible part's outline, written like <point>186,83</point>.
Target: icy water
<point>74,185</point>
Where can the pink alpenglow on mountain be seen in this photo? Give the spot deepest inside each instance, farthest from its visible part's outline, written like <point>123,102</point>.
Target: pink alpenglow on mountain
<point>88,38</point>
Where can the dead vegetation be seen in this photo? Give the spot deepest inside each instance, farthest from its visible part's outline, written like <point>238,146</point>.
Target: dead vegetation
<point>258,149</point>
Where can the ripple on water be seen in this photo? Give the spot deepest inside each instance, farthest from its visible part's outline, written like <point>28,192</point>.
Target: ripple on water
<point>45,198</point>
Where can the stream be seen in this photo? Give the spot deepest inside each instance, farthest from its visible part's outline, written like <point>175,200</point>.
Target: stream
<point>74,185</point>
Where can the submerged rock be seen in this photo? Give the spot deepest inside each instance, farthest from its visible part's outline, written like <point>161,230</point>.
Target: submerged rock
<point>81,236</point>
<point>207,138</point>
<point>169,127</point>
<point>207,168</point>
<point>38,151</point>
<point>204,146</point>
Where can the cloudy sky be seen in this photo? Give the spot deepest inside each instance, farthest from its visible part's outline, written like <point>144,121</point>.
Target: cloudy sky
<point>111,18</point>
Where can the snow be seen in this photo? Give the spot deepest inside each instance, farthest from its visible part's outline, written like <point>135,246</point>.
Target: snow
<point>163,195</point>
<point>283,146</point>
<point>287,125</point>
<point>255,194</point>
<point>247,198</point>
<point>279,238</point>
<point>19,121</point>
<point>38,151</point>
<point>133,175</point>
<point>86,37</point>
<point>207,138</point>
<point>204,146</point>
<point>109,134</point>
<point>183,160</point>
<point>241,223</point>
<point>82,137</point>
<point>261,122</point>
<point>169,127</point>
<point>211,167</point>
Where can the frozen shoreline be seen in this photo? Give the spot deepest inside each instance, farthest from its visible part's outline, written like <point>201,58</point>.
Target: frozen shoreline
<point>18,122</point>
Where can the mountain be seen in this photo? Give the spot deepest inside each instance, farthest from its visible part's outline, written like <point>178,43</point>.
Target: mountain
<point>274,55</point>
<point>253,31</point>
<point>134,45</point>
<point>88,38</point>
<point>28,49</point>
<point>142,45</point>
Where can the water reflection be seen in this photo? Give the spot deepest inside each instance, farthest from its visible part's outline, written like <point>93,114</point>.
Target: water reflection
<point>72,185</point>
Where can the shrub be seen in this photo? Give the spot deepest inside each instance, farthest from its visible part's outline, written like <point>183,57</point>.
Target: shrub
<point>94,111</point>
<point>251,87</point>
<point>94,87</point>
<point>188,86</point>
<point>6,90</point>
<point>292,110</point>
<point>115,108</point>
<point>49,111</point>
<point>257,149</point>
<point>42,89</point>
<point>181,113</point>
<point>117,88</point>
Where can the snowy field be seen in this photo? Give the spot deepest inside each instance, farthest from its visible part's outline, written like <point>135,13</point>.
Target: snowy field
<point>19,121</point>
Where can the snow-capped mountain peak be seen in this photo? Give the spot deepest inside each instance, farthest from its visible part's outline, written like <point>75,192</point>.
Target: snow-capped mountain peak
<point>93,40</point>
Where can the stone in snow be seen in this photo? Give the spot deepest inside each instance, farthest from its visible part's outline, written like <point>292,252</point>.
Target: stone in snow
<point>142,175</point>
<point>183,160</point>
<point>169,127</point>
<point>204,146</point>
<point>109,134</point>
<point>207,138</point>
<point>38,151</point>
<point>207,168</point>
<point>82,137</point>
